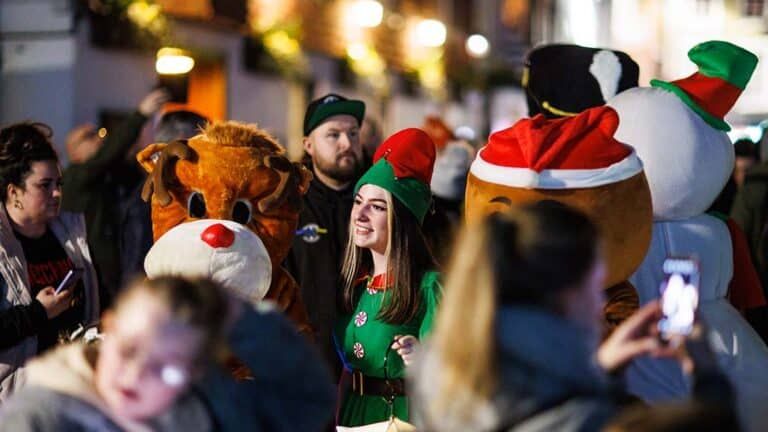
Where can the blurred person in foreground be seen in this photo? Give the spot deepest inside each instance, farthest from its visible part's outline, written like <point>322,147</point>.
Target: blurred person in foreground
<point>91,186</point>
<point>516,342</point>
<point>39,245</point>
<point>151,369</point>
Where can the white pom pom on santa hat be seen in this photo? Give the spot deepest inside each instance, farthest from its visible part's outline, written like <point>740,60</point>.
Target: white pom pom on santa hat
<point>566,153</point>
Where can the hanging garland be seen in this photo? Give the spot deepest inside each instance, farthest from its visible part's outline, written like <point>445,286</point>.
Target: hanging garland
<point>129,23</point>
<point>279,35</point>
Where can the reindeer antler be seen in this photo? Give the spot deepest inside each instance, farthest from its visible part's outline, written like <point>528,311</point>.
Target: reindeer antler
<point>161,178</point>
<point>288,187</point>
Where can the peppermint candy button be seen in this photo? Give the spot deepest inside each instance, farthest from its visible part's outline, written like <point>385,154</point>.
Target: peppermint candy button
<point>361,318</point>
<point>358,349</point>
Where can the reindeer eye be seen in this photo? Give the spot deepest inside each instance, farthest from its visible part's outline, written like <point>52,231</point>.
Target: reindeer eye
<point>196,205</point>
<point>242,211</point>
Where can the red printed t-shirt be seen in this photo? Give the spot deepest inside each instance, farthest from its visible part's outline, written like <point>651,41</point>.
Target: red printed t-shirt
<point>47,264</point>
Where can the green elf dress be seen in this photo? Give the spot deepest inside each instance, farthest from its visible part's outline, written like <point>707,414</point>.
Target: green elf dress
<point>364,341</point>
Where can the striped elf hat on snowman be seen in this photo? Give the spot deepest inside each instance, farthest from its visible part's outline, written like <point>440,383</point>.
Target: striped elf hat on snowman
<point>566,153</point>
<point>403,165</point>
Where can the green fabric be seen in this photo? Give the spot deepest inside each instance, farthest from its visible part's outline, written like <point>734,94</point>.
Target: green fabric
<point>715,59</point>
<point>716,214</point>
<point>376,336</point>
<point>350,107</point>
<point>711,120</point>
<point>414,194</point>
<point>724,60</point>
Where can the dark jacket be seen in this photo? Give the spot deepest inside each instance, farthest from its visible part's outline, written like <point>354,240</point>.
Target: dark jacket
<point>91,188</point>
<point>315,260</point>
<point>290,390</point>
<point>750,212</point>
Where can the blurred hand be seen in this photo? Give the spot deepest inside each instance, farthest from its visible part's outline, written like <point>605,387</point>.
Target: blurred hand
<point>636,336</point>
<point>406,346</point>
<point>153,102</point>
<point>53,303</point>
<point>694,352</point>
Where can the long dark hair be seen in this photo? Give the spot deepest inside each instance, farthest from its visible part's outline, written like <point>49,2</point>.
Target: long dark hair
<point>21,144</point>
<point>408,258</point>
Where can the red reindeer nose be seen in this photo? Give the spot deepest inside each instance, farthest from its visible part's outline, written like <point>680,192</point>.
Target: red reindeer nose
<point>218,236</point>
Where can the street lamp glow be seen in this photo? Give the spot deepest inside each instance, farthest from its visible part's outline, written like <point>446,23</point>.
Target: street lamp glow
<point>173,61</point>
<point>357,51</point>
<point>477,46</point>
<point>430,33</point>
<point>366,13</point>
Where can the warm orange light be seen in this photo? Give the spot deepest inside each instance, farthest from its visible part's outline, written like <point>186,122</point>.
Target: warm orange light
<point>173,61</point>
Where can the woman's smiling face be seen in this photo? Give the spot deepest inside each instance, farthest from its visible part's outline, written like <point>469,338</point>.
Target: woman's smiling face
<point>370,218</point>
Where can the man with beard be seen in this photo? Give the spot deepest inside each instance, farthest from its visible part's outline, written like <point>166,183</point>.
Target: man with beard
<point>334,154</point>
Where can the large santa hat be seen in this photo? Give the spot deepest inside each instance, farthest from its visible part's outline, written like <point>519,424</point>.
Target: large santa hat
<point>566,153</point>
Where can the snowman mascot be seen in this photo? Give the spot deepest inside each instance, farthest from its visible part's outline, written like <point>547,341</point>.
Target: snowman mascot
<point>677,129</point>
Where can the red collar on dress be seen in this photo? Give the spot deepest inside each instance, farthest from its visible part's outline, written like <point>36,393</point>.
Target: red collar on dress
<point>376,283</point>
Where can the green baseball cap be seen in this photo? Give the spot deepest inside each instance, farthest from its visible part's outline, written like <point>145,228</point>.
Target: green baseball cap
<point>329,106</point>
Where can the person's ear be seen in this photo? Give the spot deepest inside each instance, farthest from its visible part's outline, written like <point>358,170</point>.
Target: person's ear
<point>12,192</point>
<point>307,144</point>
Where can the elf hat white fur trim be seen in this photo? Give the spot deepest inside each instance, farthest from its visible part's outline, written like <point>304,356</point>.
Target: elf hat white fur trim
<point>556,178</point>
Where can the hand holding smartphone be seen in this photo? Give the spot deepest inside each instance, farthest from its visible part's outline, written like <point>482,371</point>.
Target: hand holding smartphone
<point>679,296</point>
<point>70,279</point>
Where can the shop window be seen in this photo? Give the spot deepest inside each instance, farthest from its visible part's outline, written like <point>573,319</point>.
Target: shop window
<point>754,7</point>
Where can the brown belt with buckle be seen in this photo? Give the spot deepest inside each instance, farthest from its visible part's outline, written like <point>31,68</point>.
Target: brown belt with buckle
<point>365,385</point>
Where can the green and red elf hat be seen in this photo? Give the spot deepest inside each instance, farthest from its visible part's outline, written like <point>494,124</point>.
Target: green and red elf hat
<point>724,71</point>
<point>403,165</point>
<point>565,153</point>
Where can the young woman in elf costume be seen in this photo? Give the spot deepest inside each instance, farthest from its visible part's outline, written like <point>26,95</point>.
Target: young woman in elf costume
<point>391,286</point>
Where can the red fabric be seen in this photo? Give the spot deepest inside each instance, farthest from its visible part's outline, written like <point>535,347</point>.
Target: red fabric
<point>744,290</point>
<point>410,152</point>
<point>378,282</point>
<point>715,95</point>
<point>584,141</point>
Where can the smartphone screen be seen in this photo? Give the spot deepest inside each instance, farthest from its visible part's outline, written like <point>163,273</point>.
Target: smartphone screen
<point>679,296</point>
<point>69,281</point>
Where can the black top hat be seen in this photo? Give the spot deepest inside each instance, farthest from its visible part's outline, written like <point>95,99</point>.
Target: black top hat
<point>562,80</point>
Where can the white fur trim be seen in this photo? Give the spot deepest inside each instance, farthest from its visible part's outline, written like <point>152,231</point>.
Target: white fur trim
<point>606,68</point>
<point>556,178</point>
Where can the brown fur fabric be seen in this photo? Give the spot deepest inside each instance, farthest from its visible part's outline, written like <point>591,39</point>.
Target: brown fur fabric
<point>227,163</point>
